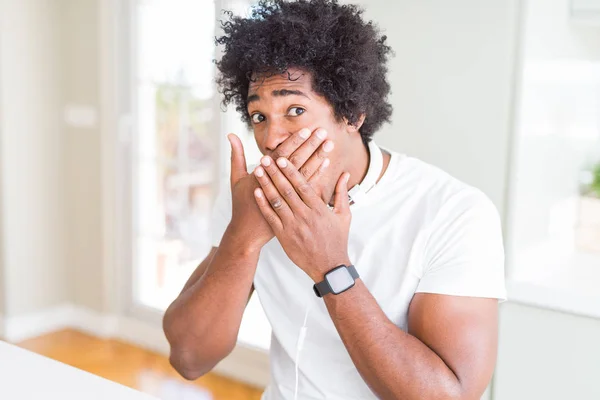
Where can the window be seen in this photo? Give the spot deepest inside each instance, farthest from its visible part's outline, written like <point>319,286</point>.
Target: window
<point>175,157</point>
<point>558,139</point>
<point>179,153</point>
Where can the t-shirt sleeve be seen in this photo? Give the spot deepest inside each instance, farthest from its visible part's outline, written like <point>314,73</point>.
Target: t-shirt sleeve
<point>464,254</point>
<point>221,213</point>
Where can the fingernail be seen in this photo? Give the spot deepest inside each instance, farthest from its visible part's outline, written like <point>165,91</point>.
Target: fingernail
<point>347,178</point>
<point>266,161</point>
<point>321,133</point>
<point>259,172</point>
<point>304,133</point>
<point>258,193</point>
<point>281,162</point>
<point>326,163</point>
<point>328,146</point>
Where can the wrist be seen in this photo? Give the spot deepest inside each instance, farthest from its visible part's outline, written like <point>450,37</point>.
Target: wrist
<point>318,275</point>
<point>240,243</point>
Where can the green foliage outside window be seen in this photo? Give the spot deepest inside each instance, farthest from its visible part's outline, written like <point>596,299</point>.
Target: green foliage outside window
<point>594,188</point>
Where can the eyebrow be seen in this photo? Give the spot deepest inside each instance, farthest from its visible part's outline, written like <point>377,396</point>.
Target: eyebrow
<point>278,93</point>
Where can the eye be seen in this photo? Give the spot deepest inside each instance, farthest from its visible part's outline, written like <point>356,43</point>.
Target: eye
<point>296,111</point>
<point>257,118</point>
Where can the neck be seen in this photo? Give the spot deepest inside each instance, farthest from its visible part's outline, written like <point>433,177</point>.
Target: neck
<point>359,168</point>
<point>358,163</point>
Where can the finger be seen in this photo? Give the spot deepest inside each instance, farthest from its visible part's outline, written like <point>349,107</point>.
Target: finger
<point>267,211</point>
<point>300,184</point>
<point>315,161</point>
<point>292,143</point>
<point>284,188</point>
<point>319,172</point>
<point>308,148</point>
<point>238,159</point>
<point>341,202</point>
<point>276,200</point>
<point>314,179</point>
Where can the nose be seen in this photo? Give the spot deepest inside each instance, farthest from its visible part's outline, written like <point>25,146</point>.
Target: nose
<point>275,134</point>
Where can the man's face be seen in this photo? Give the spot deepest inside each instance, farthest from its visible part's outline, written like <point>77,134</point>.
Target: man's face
<point>281,105</point>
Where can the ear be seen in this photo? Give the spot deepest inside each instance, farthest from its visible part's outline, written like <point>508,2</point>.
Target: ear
<point>353,128</point>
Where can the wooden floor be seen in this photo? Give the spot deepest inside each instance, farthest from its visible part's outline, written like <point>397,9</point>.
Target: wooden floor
<point>134,367</point>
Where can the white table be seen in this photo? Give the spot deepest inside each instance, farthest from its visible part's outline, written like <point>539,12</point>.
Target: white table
<point>28,376</point>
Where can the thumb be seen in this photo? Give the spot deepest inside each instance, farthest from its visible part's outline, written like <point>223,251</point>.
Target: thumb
<point>238,159</point>
<point>341,202</point>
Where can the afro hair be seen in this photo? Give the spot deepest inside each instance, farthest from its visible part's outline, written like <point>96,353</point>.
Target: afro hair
<point>345,55</point>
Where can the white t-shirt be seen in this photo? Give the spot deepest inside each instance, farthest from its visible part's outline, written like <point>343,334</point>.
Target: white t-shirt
<point>417,230</point>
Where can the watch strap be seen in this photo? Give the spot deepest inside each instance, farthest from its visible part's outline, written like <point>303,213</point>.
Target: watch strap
<point>322,288</point>
<point>353,272</point>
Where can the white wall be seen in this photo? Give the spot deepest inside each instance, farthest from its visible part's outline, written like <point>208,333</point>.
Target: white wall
<point>31,162</point>
<point>547,355</point>
<point>2,252</point>
<point>452,80</point>
<point>79,37</point>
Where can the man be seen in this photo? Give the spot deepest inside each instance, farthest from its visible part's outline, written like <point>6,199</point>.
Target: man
<point>390,291</point>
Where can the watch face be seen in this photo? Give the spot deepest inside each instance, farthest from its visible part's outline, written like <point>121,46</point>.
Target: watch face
<point>339,280</point>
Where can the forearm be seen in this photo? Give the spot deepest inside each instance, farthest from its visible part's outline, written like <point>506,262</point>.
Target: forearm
<point>199,271</point>
<point>395,364</point>
<point>201,325</point>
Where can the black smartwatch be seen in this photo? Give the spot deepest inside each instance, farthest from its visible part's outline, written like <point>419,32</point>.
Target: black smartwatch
<point>336,281</point>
